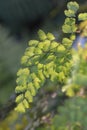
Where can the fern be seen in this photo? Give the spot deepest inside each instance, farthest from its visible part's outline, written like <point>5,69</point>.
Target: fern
<point>46,59</point>
<point>43,59</point>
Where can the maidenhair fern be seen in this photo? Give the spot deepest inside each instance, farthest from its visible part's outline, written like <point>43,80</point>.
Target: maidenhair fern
<point>46,59</point>
<point>72,9</point>
<point>43,59</point>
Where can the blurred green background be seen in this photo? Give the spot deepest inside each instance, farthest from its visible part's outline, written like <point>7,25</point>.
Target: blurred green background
<point>19,22</point>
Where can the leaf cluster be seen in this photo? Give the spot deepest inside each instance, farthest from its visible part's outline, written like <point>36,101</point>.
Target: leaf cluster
<point>44,59</point>
<point>48,60</point>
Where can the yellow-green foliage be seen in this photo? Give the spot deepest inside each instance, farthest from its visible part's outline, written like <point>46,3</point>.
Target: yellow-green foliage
<point>46,59</point>
<point>43,59</point>
<point>78,79</point>
<point>72,9</point>
<point>82,16</point>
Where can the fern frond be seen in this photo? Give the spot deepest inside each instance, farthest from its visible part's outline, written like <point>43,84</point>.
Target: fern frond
<point>46,59</point>
<point>41,61</point>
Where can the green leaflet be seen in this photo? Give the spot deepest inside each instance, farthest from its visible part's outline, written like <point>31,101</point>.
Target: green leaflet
<point>38,51</point>
<point>61,48</point>
<point>40,45</point>
<point>73,6</point>
<point>41,75</point>
<point>19,89</point>
<point>50,36</point>
<point>25,103</point>
<point>66,29</point>
<point>28,96</point>
<point>46,45</point>
<point>54,75</point>
<point>20,107</point>
<point>72,37</point>
<point>40,66</point>
<point>33,42</point>
<point>37,82</point>
<point>24,72</point>
<point>24,59</point>
<point>82,16</point>
<point>32,89</point>
<point>70,21</point>
<point>42,35</point>
<point>53,45</point>
<point>61,76</point>
<point>19,98</point>
<point>69,13</point>
<point>67,41</point>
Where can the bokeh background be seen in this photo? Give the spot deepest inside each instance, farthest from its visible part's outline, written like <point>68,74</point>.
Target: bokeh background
<point>19,22</point>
